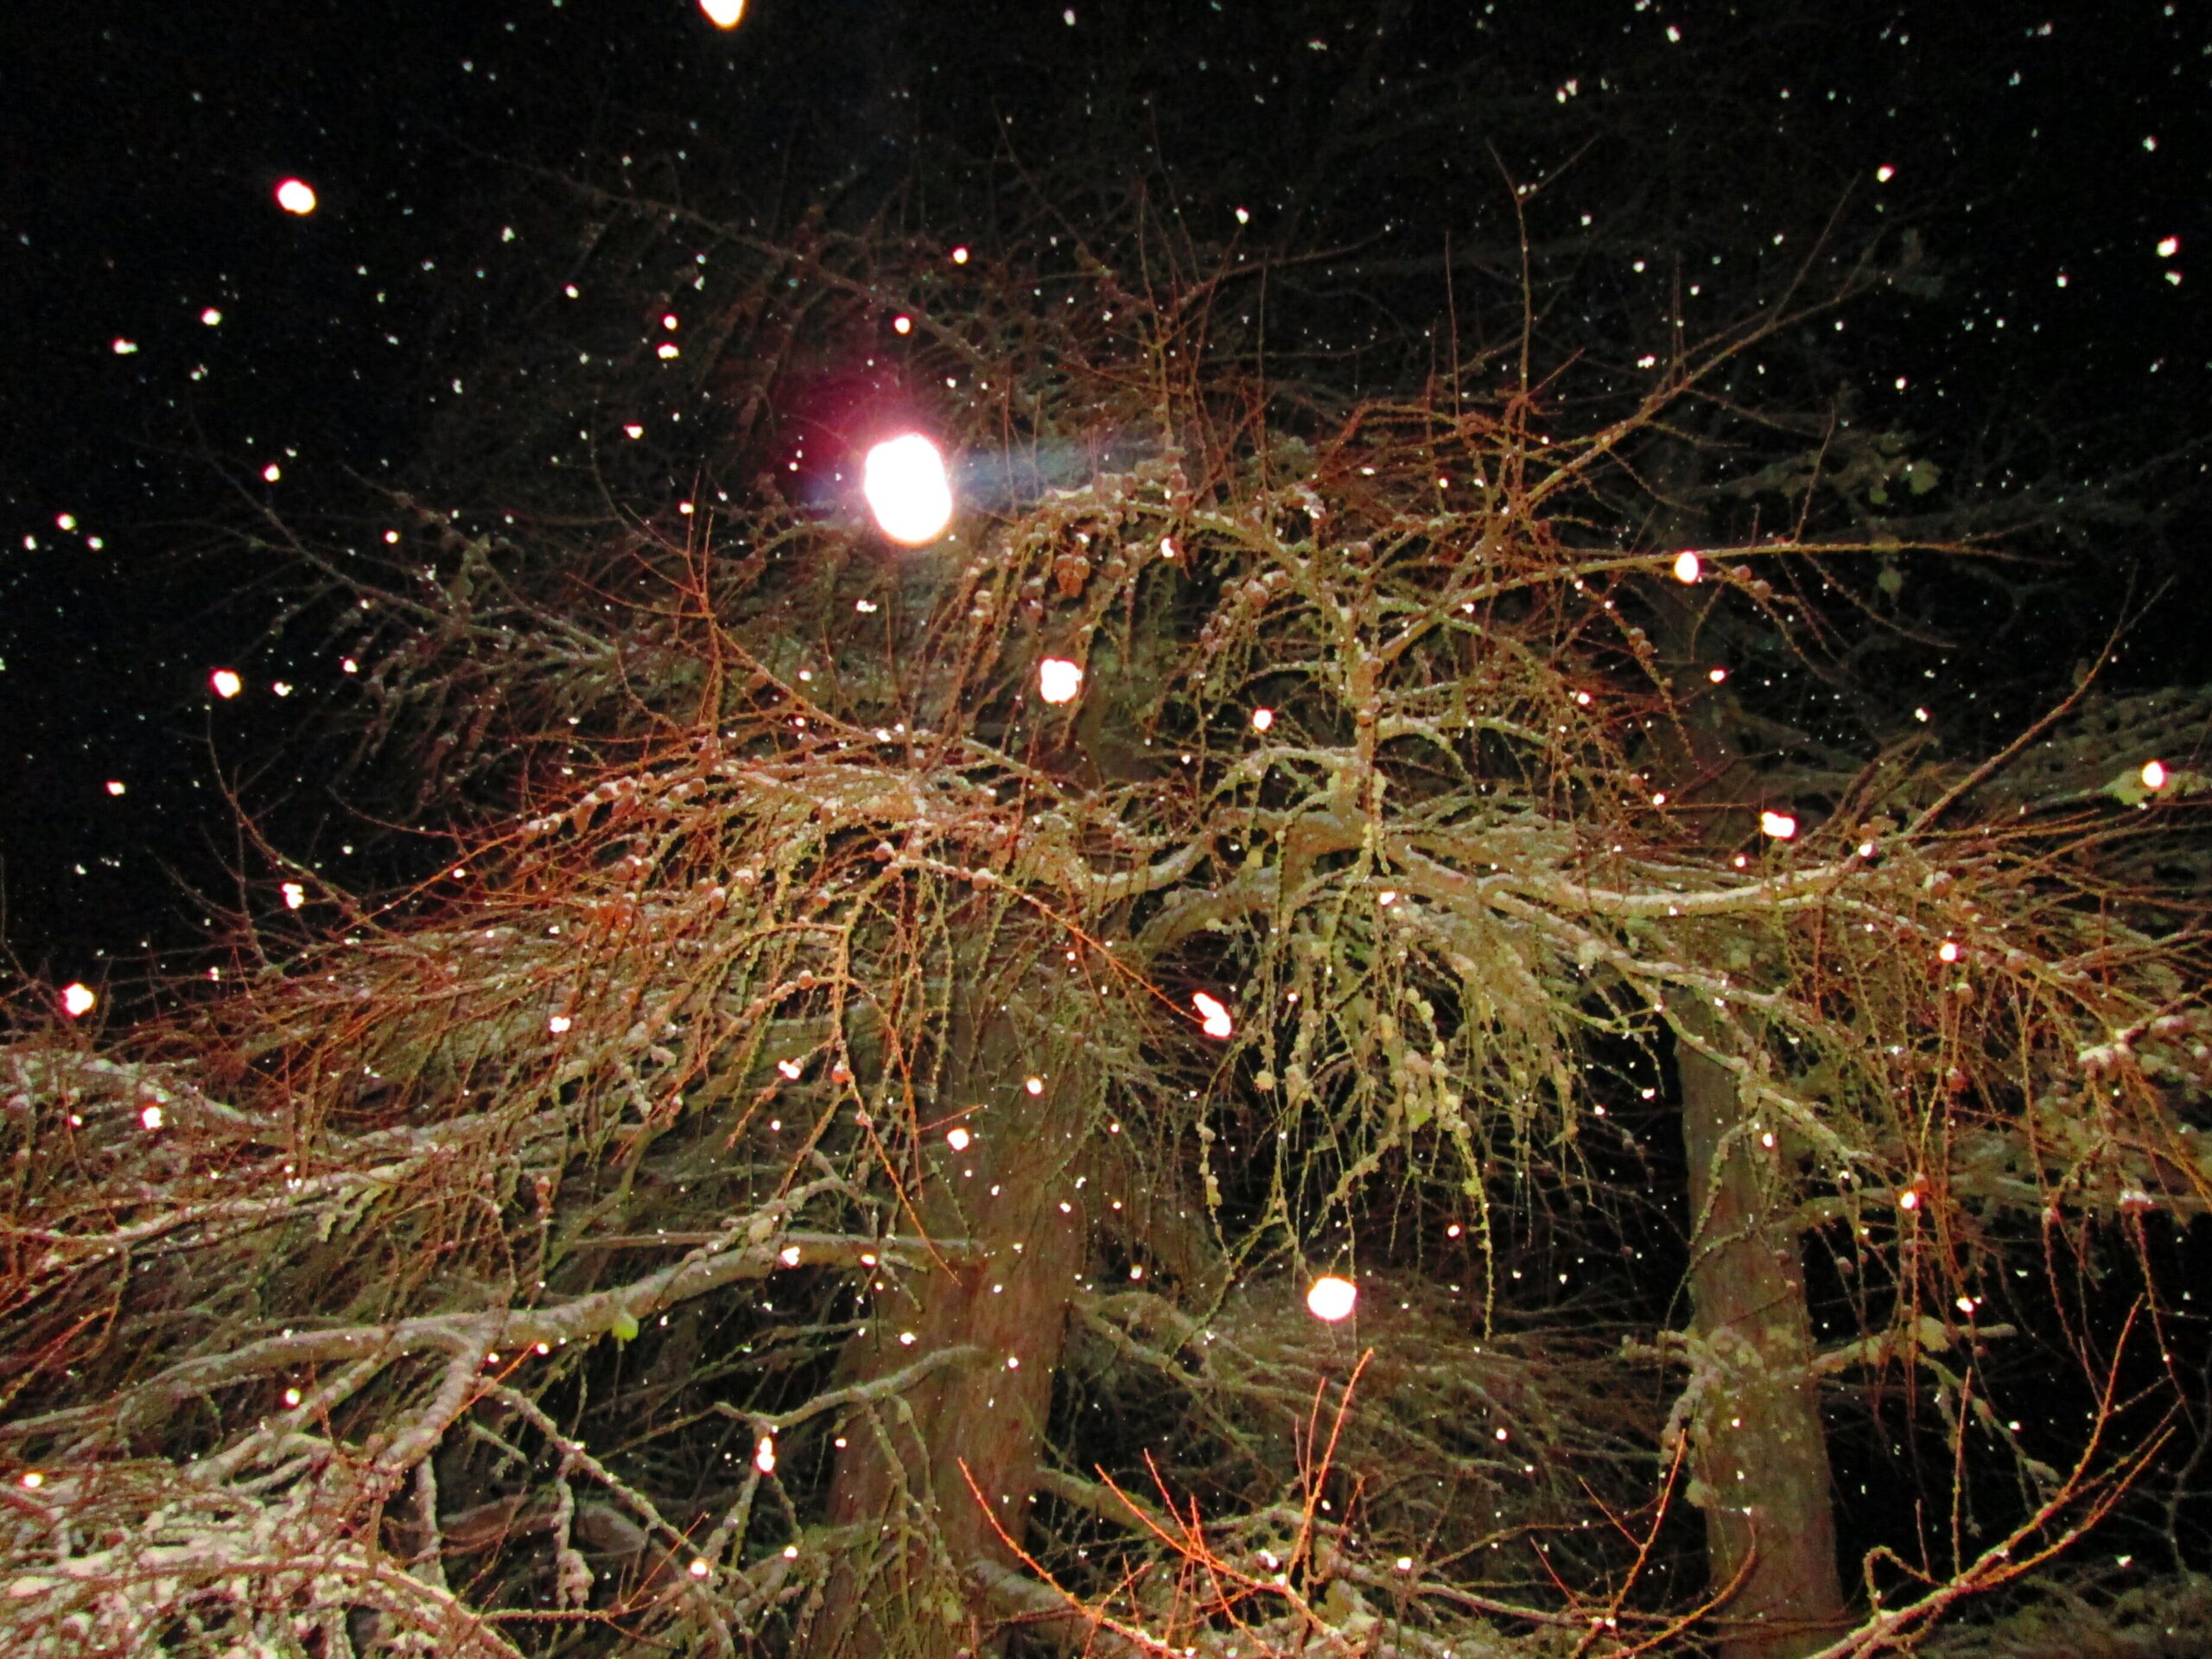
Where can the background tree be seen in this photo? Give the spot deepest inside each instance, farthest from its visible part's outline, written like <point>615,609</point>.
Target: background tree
<point>772,1184</point>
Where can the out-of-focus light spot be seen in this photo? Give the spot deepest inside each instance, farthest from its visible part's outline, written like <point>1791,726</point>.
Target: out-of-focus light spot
<point>77,1001</point>
<point>1659,797</point>
<point>292,1396</point>
<point>1035,1085</point>
<point>1686,568</point>
<point>295,196</point>
<point>2169,246</point>
<point>1330,1298</point>
<point>700,1569</point>
<point>1452,1231</point>
<point>124,348</point>
<point>763,1457</point>
<point>791,1069</point>
<point>571,290</point>
<point>1948,951</point>
<point>634,431</point>
<point>348,665</point>
<point>115,787</point>
<point>1167,547</point>
<point>1387,898</point>
<point>1884,173</point>
<point>1909,1199</point>
<point>294,895</point>
<point>150,1118</point>
<point>723,14</point>
<point>904,480</point>
<point>33,1480</point>
<point>1647,361</point>
<point>281,688</point>
<point>1673,35</point>
<point>1716,675</point>
<point>1058,679</point>
<point>958,1139</point>
<point>1780,825</point>
<point>558,1023</point>
<point>902,325</point>
<point>65,521</point>
<point>1582,699</point>
<point>271,473</point>
<point>1244,216</point>
<point>668,320</point>
<point>226,684</point>
<point>2150,141</point>
<point>1213,1019</point>
<point>668,351</point>
<point>960,255</point>
<point>908,1338</point>
<point>788,1256</point>
<point>211,316</point>
<point>2154,774</point>
<point>1263,718</point>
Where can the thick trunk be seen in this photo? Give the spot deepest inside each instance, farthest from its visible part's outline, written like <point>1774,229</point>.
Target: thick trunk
<point>904,1472</point>
<point>1758,1454</point>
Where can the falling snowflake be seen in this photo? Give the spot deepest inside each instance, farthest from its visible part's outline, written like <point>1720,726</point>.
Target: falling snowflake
<point>1213,1017</point>
<point>1331,1299</point>
<point>1058,680</point>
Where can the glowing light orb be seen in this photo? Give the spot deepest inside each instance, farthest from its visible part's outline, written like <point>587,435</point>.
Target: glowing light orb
<point>1330,1298</point>
<point>723,14</point>
<point>958,1139</point>
<point>116,786</point>
<point>1058,679</point>
<point>226,684</point>
<point>77,1001</point>
<point>1780,825</point>
<point>295,196</point>
<point>151,1118</point>
<point>2154,774</point>
<point>905,482</point>
<point>764,1455</point>
<point>960,255</point>
<point>902,325</point>
<point>1263,718</point>
<point>2169,246</point>
<point>294,895</point>
<point>1686,568</point>
<point>1213,1019</point>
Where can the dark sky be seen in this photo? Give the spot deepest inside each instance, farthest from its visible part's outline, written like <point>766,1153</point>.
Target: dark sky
<point>142,144</point>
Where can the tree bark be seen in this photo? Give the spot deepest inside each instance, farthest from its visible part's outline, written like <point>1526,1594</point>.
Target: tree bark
<point>906,1470</point>
<point>1758,1453</point>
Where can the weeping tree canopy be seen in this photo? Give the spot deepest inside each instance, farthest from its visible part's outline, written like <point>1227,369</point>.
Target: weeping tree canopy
<point>832,1156</point>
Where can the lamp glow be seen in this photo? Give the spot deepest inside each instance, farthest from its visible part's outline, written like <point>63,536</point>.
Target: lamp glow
<point>905,482</point>
<point>1330,1298</point>
<point>723,14</point>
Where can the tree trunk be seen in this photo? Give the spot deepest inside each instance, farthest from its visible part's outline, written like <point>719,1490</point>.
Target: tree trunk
<point>1759,1456</point>
<point>906,1468</point>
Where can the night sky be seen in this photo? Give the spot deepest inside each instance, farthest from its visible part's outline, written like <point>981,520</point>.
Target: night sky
<point>142,147</point>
